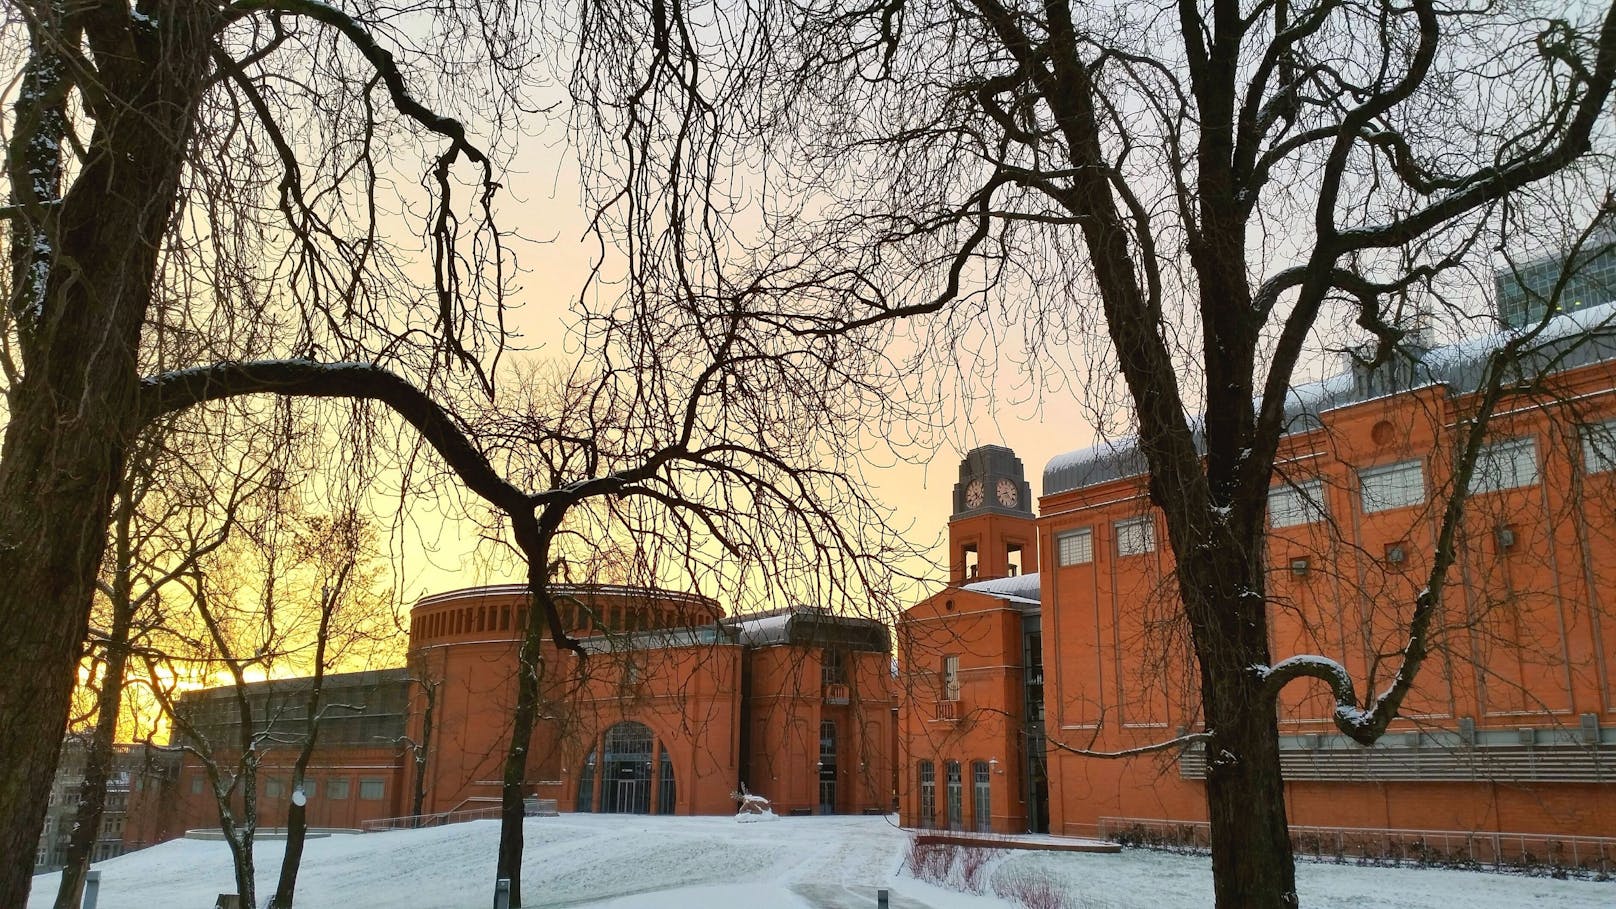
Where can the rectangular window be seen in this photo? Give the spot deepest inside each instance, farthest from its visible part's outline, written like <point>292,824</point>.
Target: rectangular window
<point>308,787</point>
<point>1509,464</point>
<point>273,789</point>
<point>337,789</point>
<point>1599,446</point>
<point>951,685</point>
<point>1290,504</point>
<point>928,794</point>
<point>196,785</point>
<point>1392,486</point>
<point>1075,548</point>
<point>1136,536</point>
<point>370,789</point>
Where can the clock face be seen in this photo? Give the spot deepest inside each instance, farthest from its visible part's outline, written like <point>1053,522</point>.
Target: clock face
<point>1007,493</point>
<point>973,494</point>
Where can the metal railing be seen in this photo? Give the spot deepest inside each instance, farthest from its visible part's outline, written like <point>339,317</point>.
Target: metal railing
<point>438,819</point>
<point>1462,848</point>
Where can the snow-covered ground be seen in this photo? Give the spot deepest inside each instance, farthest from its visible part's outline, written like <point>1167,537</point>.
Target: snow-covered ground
<point>627,862</point>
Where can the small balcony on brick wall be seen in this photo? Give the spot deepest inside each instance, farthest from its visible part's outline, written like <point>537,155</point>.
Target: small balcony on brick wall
<point>950,711</point>
<point>837,695</point>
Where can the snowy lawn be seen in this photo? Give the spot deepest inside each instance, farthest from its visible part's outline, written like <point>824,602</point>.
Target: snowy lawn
<point>627,862</point>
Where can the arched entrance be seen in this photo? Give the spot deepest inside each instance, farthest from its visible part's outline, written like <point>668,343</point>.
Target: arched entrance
<point>625,779</point>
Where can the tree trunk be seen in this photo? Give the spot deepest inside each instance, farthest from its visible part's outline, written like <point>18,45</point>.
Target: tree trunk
<point>98,759</point>
<point>72,414</point>
<point>1245,793</point>
<point>1223,586</point>
<point>97,766</point>
<point>423,749</point>
<point>297,826</point>
<point>522,722</point>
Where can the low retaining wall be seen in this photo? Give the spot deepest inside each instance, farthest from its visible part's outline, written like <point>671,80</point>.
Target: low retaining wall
<point>990,841</point>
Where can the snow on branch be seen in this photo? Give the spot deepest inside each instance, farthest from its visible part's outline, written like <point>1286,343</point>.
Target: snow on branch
<point>173,391</point>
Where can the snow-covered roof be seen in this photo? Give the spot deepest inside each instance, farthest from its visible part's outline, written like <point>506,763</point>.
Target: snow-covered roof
<point>1021,589</point>
<point>807,625</point>
<point>1568,341</point>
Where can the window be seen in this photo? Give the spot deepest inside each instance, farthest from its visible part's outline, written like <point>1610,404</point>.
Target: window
<point>371,789</point>
<point>196,785</point>
<point>586,785</point>
<point>928,794</point>
<point>981,796</point>
<point>955,790</point>
<point>308,787</point>
<point>951,685</point>
<point>274,788</point>
<point>832,671</point>
<point>337,789</point>
<point>1290,504</point>
<point>1509,464</point>
<point>1136,536</point>
<point>1392,486</point>
<point>1075,548</point>
<point>666,792</point>
<point>1599,446</point>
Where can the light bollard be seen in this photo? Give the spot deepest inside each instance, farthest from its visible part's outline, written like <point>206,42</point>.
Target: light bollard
<point>92,888</point>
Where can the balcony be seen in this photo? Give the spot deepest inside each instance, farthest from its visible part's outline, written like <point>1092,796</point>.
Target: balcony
<point>950,711</point>
<point>838,695</point>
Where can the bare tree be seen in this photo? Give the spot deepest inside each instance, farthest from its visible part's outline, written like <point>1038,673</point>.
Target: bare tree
<point>1211,191</point>
<point>719,451</point>
<point>150,553</point>
<point>337,546</point>
<point>228,174</point>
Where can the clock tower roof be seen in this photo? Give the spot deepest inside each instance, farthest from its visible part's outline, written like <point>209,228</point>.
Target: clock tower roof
<point>992,532</point>
<point>992,479</point>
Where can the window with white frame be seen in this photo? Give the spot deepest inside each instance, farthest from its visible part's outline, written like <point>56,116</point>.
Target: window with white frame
<point>951,680</point>
<point>1290,504</point>
<point>1136,536</point>
<point>1075,547</point>
<point>1392,486</point>
<point>1598,446</point>
<point>1509,464</point>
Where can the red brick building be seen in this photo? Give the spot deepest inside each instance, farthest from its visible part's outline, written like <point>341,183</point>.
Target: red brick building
<point>674,707</point>
<point>1510,727</point>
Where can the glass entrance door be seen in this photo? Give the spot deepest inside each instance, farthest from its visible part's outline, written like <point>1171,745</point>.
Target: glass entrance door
<point>827,767</point>
<point>626,775</point>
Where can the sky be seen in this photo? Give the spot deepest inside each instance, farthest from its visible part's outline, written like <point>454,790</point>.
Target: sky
<point>544,206</point>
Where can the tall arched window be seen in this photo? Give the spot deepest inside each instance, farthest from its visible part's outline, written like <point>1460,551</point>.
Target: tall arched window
<point>928,794</point>
<point>626,769</point>
<point>956,796</point>
<point>981,796</point>
<point>666,796</point>
<point>827,767</point>
<point>586,784</point>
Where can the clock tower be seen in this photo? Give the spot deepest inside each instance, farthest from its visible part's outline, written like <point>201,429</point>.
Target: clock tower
<point>992,531</point>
